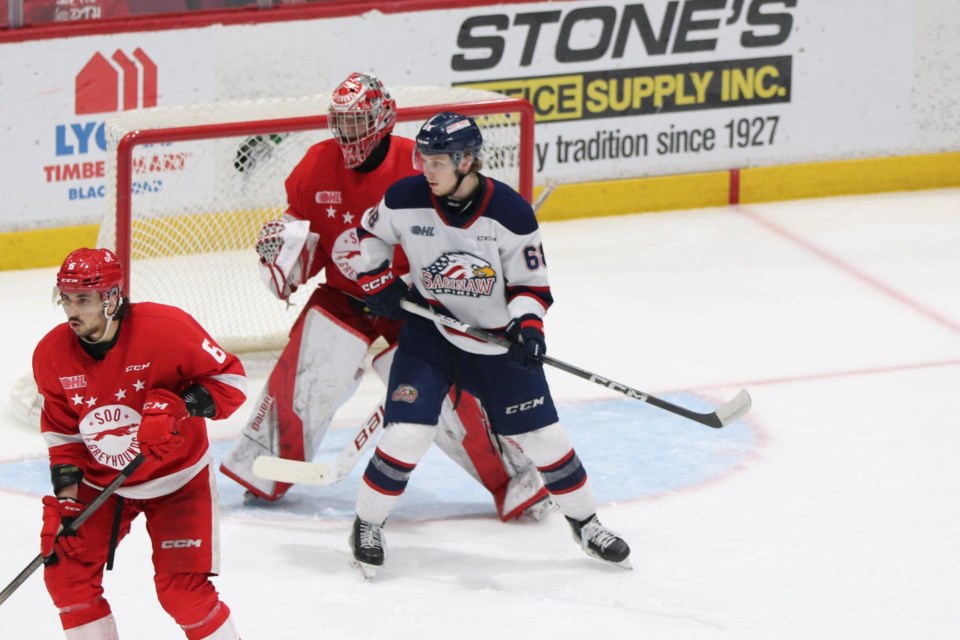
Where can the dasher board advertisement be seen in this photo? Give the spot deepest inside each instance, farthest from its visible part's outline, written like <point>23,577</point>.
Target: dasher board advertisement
<point>621,89</point>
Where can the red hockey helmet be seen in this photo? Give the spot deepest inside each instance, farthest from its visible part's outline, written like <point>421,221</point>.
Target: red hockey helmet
<point>90,270</point>
<point>361,114</point>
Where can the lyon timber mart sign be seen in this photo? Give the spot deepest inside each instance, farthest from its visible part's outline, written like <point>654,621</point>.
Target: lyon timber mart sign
<point>627,89</point>
<point>55,101</point>
<point>102,86</point>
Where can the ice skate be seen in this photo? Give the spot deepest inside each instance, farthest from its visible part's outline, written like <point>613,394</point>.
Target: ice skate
<point>599,542</point>
<point>367,544</point>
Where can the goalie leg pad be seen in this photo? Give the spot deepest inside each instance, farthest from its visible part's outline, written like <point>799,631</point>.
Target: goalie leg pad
<point>318,371</point>
<point>464,435</point>
<point>563,474</point>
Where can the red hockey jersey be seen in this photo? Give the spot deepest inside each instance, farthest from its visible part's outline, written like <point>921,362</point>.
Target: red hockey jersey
<point>91,408</point>
<point>332,199</point>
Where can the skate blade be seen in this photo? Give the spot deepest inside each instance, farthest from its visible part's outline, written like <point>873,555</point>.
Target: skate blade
<point>369,571</point>
<point>623,564</point>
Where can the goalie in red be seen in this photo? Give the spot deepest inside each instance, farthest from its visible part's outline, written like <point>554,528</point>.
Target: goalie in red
<point>118,379</point>
<point>322,365</point>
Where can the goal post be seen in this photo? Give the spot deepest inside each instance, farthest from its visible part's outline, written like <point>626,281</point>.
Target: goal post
<point>188,188</point>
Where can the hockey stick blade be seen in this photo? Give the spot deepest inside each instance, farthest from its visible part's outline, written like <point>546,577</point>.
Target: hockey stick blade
<point>734,409</point>
<point>322,473</point>
<point>729,412</point>
<point>297,471</point>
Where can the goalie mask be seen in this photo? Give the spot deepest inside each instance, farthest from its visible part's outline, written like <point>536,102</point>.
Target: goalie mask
<point>91,270</point>
<point>361,114</point>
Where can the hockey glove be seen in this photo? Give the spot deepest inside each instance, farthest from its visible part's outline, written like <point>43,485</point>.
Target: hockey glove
<point>57,513</point>
<point>286,248</point>
<point>383,292</point>
<point>159,432</point>
<point>529,346</point>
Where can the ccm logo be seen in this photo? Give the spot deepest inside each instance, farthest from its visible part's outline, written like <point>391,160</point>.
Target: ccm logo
<point>377,283</point>
<point>179,544</point>
<point>525,406</point>
<point>137,367</point>
<point>155,405</point>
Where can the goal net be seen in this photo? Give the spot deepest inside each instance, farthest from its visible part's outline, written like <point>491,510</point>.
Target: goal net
<point>189,187</point>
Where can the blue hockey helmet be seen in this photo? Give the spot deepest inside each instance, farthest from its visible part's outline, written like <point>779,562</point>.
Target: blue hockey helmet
<point>452,134</point>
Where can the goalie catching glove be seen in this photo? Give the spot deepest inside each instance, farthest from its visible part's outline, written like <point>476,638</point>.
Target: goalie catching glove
<point>159,431</point>
<point>57,513</point>
<point>383,292</point>
<point>529,345</point>
<point>286,248</point>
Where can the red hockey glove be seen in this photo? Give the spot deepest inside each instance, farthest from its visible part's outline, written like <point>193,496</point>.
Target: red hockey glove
<point>529,345</point>
<point>159,432</point>
<point>57,513</point>
<point>383,292</point>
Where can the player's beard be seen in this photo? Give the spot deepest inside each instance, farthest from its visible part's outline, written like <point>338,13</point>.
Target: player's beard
<point>85,329</point>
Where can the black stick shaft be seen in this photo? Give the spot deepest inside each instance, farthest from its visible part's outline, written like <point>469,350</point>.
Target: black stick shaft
<point>86,513</point>
<point>731,411</point>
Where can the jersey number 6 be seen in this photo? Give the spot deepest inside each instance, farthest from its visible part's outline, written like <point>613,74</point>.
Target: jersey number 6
<point>534,257</point>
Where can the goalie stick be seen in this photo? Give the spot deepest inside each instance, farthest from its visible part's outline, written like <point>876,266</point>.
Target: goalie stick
<point>724,415</point>
<point>309,472</point>
<point>73,526</point>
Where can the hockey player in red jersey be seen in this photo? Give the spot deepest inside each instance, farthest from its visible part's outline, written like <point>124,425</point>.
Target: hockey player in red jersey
<point>118,379</point>
<point>322,365</point>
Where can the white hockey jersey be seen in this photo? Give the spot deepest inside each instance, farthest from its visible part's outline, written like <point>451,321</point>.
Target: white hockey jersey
<point>483,268</point>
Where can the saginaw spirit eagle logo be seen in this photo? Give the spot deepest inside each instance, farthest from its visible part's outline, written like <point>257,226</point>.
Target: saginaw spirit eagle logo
<point>459,274</point>
<point>110,434</point>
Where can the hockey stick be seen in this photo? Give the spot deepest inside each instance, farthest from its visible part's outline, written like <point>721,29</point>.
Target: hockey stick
<point>73,526</point>
<point>308,472</point>
<point>542,197</point>
<point>729,412</point>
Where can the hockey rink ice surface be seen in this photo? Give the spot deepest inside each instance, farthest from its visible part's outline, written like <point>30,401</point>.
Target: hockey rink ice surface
<point>830,511</point>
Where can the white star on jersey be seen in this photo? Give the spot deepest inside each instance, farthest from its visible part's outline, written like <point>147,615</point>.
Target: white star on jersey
<point>331,212</point>
<point>139,385</point>
<point>91,401</point>
<point>348,218</point>
<point>120,395</point>
<point>77,398</point>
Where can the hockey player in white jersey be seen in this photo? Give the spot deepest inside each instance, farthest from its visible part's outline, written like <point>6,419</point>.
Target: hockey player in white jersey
<point>475,254</point>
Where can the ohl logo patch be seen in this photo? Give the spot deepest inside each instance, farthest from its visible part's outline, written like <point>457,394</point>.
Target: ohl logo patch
<point>124,84</point>
<point>459,274</point>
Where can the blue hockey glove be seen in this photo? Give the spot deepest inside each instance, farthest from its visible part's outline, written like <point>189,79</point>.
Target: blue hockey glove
<point>383,292</point>
<point>529,345</point>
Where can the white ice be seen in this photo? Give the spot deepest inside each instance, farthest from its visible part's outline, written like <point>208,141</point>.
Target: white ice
<point>839,519</point>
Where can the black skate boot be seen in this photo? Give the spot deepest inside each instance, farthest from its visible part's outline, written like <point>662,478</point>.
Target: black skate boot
<point>599,542</point>
<point>367,544</point>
